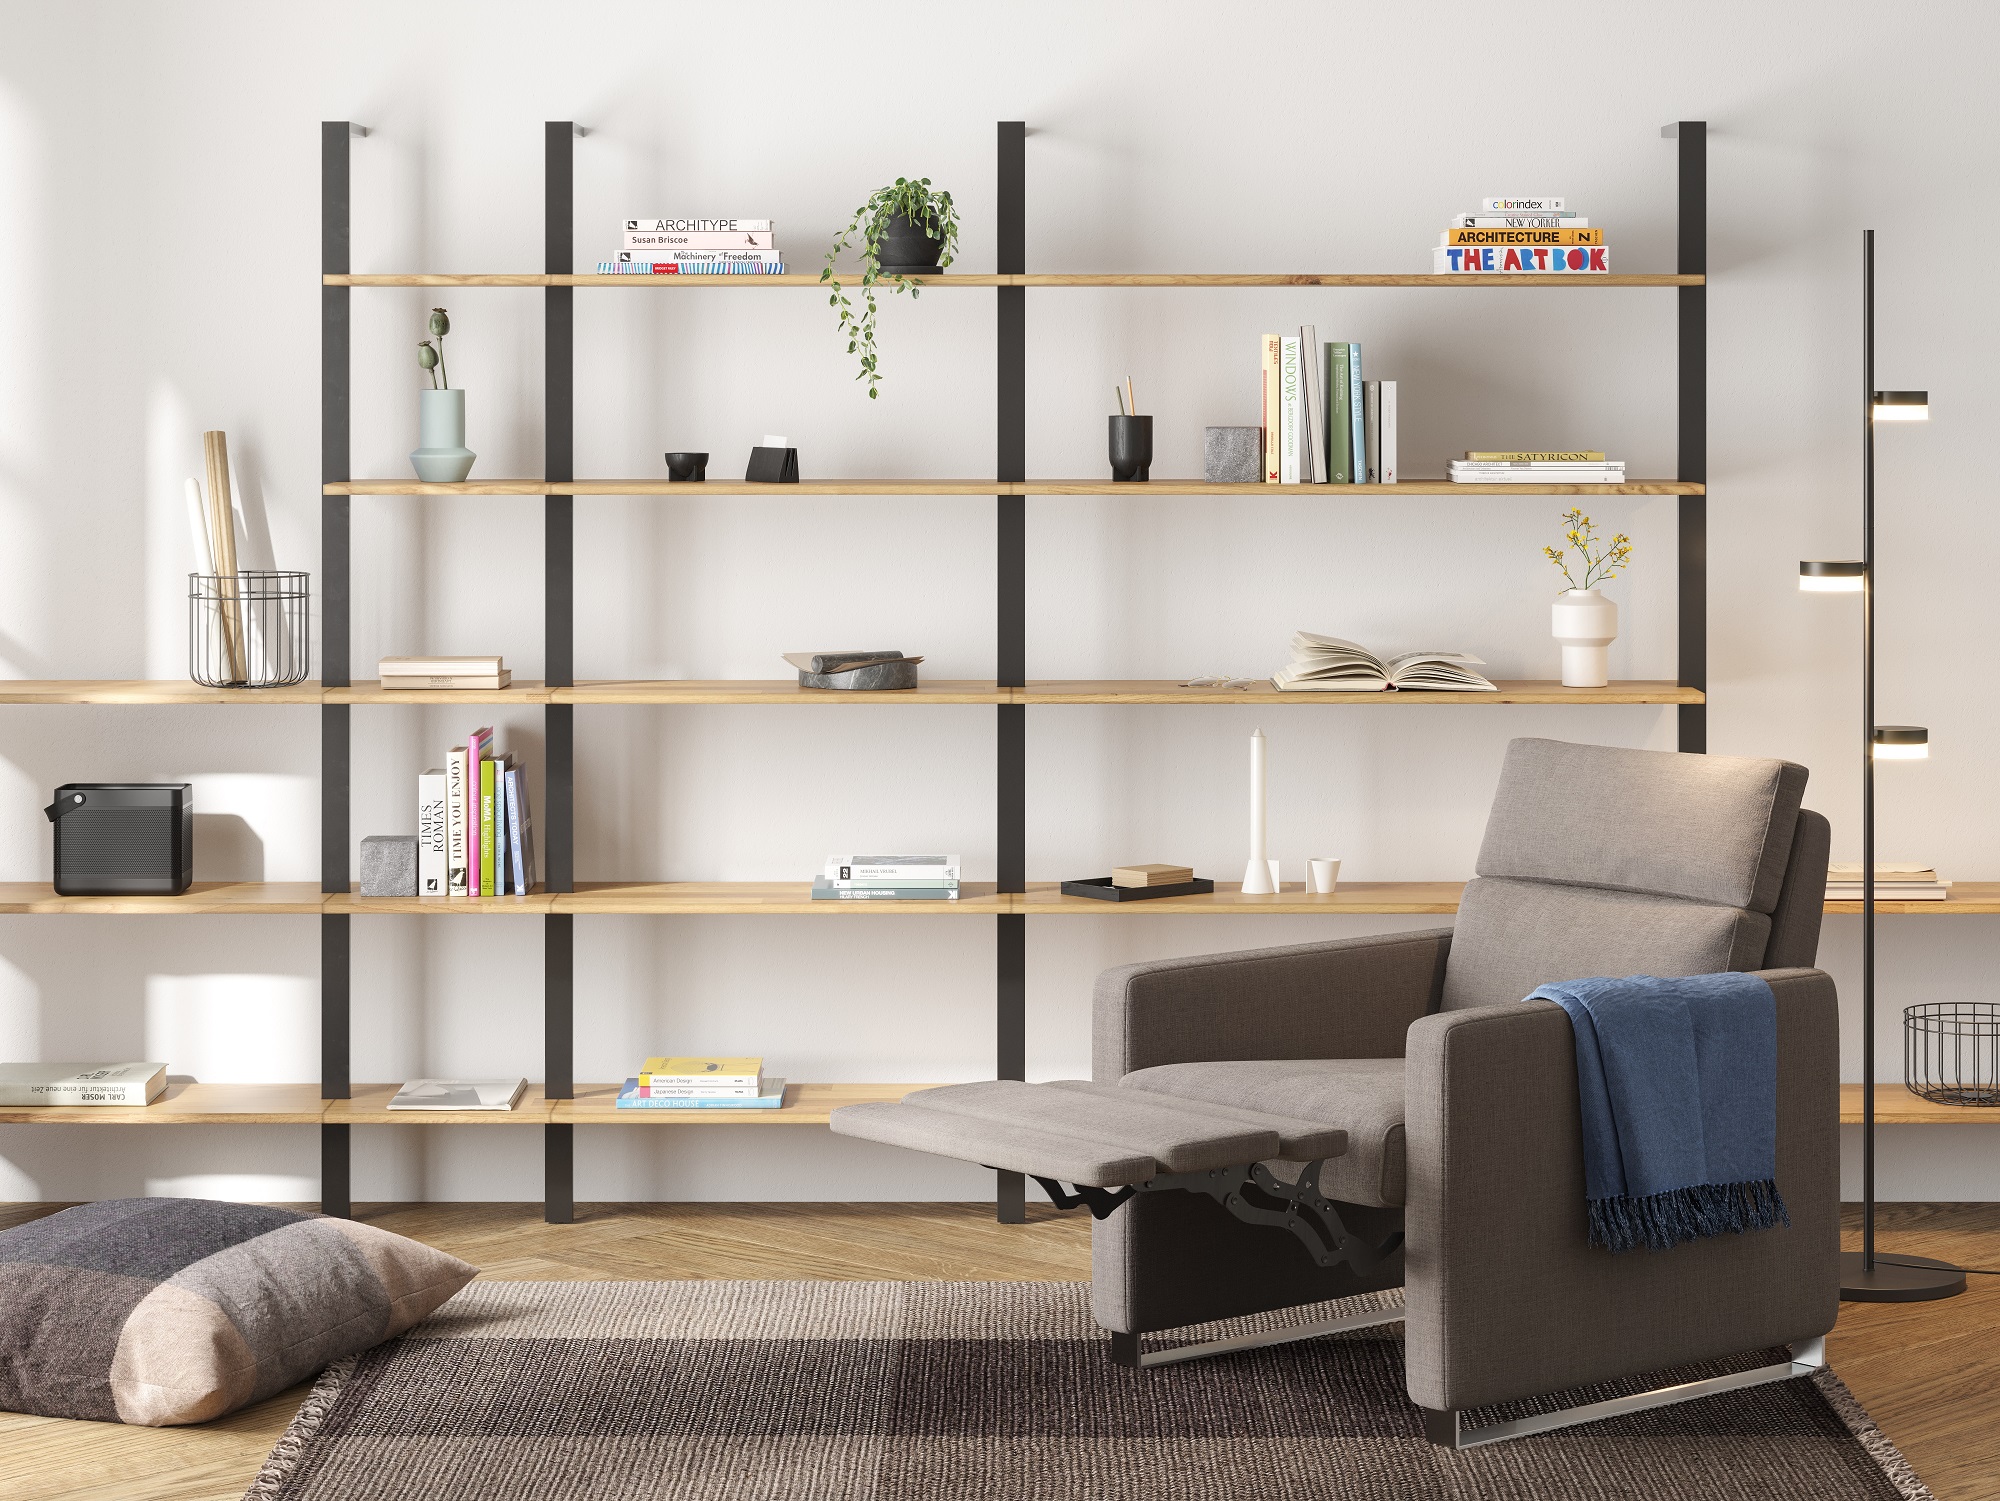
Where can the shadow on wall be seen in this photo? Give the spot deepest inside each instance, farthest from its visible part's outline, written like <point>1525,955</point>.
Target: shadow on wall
<point>226,848</point>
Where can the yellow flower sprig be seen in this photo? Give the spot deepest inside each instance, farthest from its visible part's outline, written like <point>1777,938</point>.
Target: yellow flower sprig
<point>1600,561</point>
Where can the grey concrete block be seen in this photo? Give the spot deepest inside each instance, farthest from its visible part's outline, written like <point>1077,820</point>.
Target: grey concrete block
<point>1232,455</point>
<point>389,865</point>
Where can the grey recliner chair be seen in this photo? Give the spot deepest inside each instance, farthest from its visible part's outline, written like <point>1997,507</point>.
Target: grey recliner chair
<point>1459,1103</point>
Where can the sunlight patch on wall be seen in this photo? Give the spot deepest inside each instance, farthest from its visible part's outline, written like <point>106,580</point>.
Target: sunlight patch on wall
<point>234,1029</point>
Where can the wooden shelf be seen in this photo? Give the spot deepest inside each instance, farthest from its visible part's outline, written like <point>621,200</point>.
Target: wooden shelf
<point>805,1105</point>
<point>536,903</point>
<point>1965,899</point>
<point>140,691</point>
<point>520,691</point>
<point>186,1104</point>
<point>1353,899</point>
<point>733,488</point>
<point>1896,1106</point>
<point>1136,691</point>
<point>778,691</point>
<point>764,898</point>
<point>1030,279</point>
<point>369,1106</point>
<point>204,897</point>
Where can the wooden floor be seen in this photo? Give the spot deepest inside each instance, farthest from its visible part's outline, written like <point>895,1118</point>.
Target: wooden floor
<point>1928,1372</point>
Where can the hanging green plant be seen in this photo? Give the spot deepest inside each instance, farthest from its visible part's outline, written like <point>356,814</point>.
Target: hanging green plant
<point>906,230</point>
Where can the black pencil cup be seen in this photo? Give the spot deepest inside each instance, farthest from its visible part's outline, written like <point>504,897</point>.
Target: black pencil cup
<point>1131,448</point>
<point>683,467</point>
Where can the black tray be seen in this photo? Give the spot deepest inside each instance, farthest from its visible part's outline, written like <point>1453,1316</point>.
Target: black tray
<point>1100,889</point>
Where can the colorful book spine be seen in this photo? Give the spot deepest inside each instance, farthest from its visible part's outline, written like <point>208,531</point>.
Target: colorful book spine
<point>629,1098</point>
<point>517,830</point>
<point>487,842</point>
<point>1523,237</point>
<point>433,838</point>
<point>1290,410</point>
<point>478,745</point>
<point>1271,353</point>
<point>503,874</point>
<point>692,268</point>
<point>748,239</point>
<point>1339,429</point>
<point>758,258</point>
<point>1391,472</point>
<point>456,803</point>
<point>1535,203</point>
<point>1523,260</point>
<point>682,1073</point>
<point>1356,415</point>
<point>1535,456</point>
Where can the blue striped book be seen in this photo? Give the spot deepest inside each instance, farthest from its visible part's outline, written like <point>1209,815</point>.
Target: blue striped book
<point>773,1096</point>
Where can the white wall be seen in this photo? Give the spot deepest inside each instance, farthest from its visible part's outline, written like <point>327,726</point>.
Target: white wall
<point>158,257</point>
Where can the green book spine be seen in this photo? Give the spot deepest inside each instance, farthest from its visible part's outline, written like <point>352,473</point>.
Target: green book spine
<point>1339,418</point>
<point>489,837</point>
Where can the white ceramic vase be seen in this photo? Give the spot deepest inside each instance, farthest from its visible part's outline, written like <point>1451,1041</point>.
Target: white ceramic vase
<point>1585,624</point>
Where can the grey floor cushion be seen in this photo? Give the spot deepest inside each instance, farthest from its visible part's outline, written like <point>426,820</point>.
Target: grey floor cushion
<point>162,1311</point>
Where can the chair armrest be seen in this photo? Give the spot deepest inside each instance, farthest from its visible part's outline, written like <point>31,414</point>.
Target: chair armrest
<point>1507,1298</point>
<point>1350,998</point>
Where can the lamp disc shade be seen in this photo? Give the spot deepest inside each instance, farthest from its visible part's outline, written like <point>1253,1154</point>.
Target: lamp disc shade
<point>1901,742</point>
<point>1843,576</point>
<point>1902,406</point>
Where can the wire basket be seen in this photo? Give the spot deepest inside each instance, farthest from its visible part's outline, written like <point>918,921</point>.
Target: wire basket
<point>1951,1052</point>
<point>250,629</point>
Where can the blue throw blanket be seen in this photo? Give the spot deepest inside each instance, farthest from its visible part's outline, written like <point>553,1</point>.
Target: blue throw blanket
<point>1678,1080</point>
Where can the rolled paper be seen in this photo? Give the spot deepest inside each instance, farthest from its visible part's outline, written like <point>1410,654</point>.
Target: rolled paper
<point>204,560</point>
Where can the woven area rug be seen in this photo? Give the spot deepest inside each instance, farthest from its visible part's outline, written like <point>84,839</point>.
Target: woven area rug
<point>895,1391</point>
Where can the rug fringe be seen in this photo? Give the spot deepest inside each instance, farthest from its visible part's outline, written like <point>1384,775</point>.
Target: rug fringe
<point>1662,1221</point>
<point>283,1460</point>
<point>1888,1458</point>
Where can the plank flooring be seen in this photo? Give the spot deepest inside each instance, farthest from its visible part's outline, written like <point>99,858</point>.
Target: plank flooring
<point>1928,1372</point>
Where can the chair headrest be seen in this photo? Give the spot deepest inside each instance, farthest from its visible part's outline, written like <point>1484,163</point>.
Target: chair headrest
<point>1704,828</point>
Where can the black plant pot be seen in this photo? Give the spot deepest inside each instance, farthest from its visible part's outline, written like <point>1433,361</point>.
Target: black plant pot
<point>904,247</point>
<point>1131,447</point>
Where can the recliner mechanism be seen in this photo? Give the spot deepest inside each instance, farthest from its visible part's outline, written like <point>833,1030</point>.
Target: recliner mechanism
<point>1257,1196</point>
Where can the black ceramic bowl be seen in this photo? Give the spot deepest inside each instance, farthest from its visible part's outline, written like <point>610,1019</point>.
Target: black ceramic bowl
<point>687,466</point>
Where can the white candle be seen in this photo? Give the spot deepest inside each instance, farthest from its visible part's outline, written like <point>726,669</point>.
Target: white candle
<point>1257,854</point>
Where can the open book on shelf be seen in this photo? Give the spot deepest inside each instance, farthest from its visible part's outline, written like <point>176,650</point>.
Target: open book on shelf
<point>1327,664</point>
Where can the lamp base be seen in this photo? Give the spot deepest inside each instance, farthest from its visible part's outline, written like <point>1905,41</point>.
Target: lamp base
<point>1892,1282</point>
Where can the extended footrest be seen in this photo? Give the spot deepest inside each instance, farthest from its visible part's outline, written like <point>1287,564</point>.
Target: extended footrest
<point>1111,1142</point>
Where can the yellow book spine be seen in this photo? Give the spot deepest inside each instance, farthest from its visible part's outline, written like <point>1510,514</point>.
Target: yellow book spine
<point>1524,237</point>
<point>1273,346</point>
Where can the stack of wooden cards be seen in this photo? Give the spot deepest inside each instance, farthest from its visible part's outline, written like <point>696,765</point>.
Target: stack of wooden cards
<point>1152,875</point>
<point>443,672</point>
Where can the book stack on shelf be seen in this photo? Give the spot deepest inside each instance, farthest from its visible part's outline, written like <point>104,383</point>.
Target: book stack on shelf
<point>459,1094</point>
<point>702,1084</point>
<point>888,878</point>
<point>1530,467</point>
<point>471,673</point>
<point>1533,236</point>
<point>29,1084</point>
<point>696,247</point>
<point>1323,423</point>
<point>1893,883</point>
<point>474,836</point>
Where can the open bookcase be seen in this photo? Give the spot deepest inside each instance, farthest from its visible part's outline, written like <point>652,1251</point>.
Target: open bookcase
<point>561,1102</point>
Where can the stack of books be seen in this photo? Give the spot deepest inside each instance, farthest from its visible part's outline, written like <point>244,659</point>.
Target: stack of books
<point>702,1084</point>
<point>81,1083</point>
<point>1893,883</point>
<point>1323,423</point>
<point>888,878</point>
<point>696,247</point>
<point>459,1094</point>
<point>1529,467</point>
<point>474,836</point>
<point>489,673</point>
<point>1533,236</point>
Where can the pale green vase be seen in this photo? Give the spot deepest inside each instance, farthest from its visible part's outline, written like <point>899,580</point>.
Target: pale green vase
<point>441,457</point>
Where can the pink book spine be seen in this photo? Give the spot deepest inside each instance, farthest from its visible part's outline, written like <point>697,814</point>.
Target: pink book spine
<point>478,746</point>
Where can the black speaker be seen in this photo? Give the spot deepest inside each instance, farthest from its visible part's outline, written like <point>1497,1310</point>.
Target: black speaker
<point>123,838</point>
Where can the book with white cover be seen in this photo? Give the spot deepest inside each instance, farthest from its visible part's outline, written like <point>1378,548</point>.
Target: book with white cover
<point>433,844</point>
<point>81,1083</point>
<point>1327,664</point>
<point>889,867</point>
<point>1291,408</point>
<point>1392,472</point>
<point>459,1094</point>
<point>1312,427</point>
<point>425,667</point>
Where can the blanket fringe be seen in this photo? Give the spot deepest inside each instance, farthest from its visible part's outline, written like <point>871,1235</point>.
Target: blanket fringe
<point>1663,1220</point>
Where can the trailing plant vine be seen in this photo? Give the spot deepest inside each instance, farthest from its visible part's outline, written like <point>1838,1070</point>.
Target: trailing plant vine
<point>914,201</point>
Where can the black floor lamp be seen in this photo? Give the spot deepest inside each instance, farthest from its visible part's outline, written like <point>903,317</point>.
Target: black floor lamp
<point>1865,1278</point>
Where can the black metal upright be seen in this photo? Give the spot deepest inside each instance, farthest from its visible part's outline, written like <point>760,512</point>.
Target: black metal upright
<point>1011,758</point>
<point>559,588</point>
<point>335,1183</point>
<point>1691,259</point>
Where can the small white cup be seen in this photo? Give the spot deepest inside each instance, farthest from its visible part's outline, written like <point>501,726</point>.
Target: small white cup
<point>1322,876</point>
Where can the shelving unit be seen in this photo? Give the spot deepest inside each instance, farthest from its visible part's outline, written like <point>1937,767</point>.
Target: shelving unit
<point>561,1103</point>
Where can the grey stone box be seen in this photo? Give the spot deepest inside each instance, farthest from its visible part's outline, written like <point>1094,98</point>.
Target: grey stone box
<point>871,679</point>
<point>1232,455</point>
<point>389,865</point>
